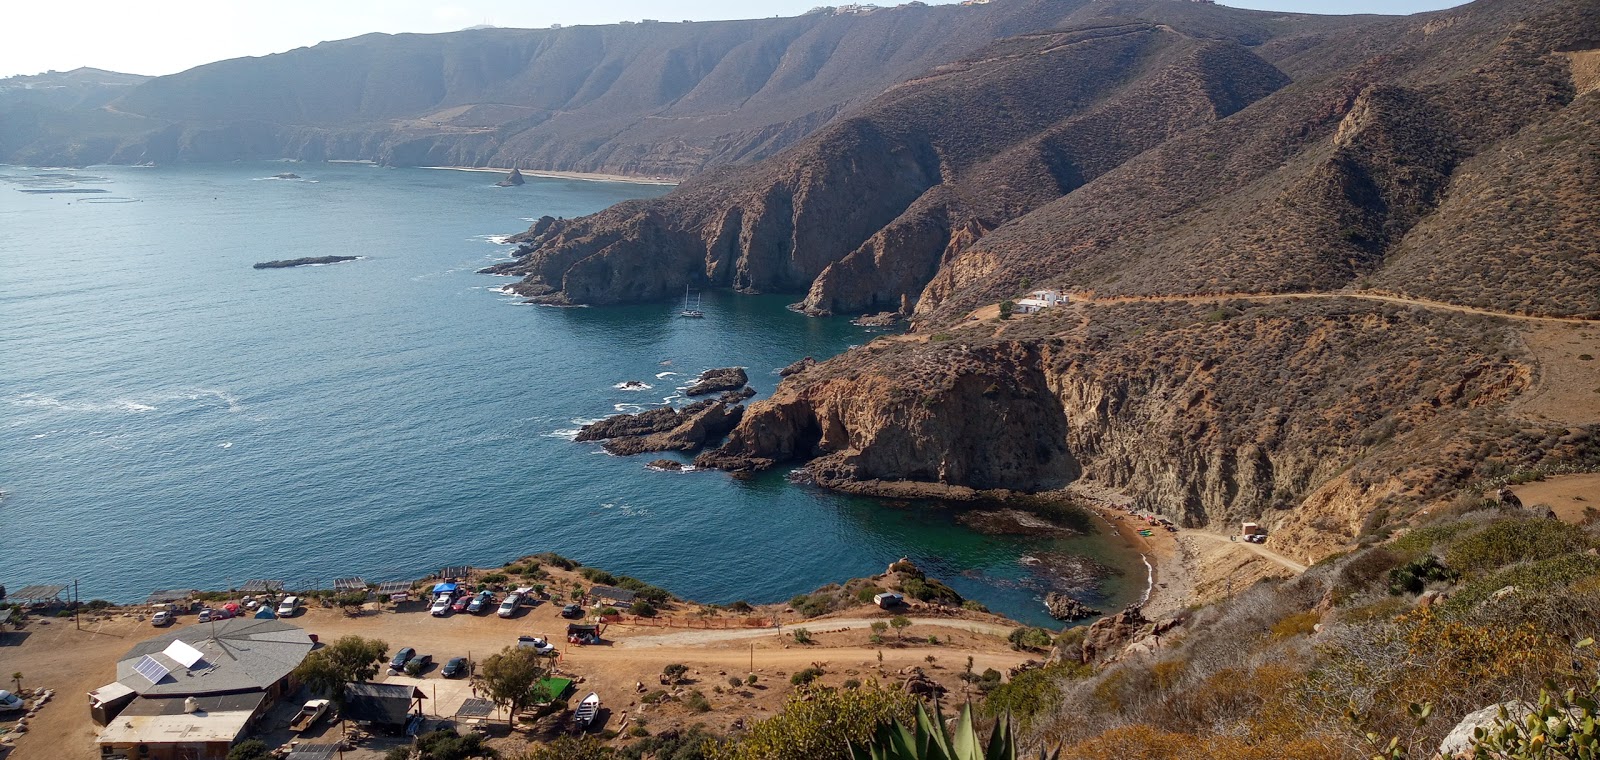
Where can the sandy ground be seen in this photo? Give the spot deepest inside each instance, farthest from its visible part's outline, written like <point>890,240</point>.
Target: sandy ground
<point>1171,570</point>
<point>1568,387</point>
<point>51,654</point>
<point>585,176</point>
<point>1569,495</point>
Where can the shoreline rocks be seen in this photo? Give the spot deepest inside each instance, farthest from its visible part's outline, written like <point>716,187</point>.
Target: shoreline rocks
<point>666,428</point>
<point>1067,609</point>
<point>305,262</point>
<point>718,380</point>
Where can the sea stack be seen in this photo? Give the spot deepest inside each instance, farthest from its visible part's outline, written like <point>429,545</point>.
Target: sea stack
<point>514,179</point>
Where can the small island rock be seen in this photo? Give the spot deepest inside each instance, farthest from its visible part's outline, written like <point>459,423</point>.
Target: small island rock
<point>718,380</point>
<point>305,262</point>
<point>514,179</point>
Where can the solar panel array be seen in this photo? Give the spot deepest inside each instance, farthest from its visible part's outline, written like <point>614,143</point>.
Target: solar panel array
<point>151,669</point>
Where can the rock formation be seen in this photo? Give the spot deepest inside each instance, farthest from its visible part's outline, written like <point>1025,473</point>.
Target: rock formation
<point>308,261</point>
<point>665,428</point>
<point>1067,609</point>
<point>717,381</point>
<point>514,179</point>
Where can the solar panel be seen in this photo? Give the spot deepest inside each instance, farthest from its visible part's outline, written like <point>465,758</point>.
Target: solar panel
<point>151,669</point>
<point>184,654</point>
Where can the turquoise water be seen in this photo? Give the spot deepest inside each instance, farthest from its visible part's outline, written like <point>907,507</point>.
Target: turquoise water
<point>171,417</point>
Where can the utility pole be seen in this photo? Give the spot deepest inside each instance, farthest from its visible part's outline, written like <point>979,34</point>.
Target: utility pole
<point>75,623</point>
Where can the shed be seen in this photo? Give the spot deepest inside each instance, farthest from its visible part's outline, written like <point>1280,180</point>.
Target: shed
<point>107,701</point>
<point>612,595</point>
<point>386,704</point>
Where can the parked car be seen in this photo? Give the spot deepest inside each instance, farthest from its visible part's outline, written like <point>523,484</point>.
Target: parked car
<point>164,617</point>
<point>456,668</point>
<point>538,644</point>
<point>289,606</point>
<point>419,664</point>
<point>10,702</point>
<point>401,658</point>
<point>572,612</point>
<point>483,602</point>
<point>206,615</point>
<point>461,602</point>
<point>509,606</point>
<point>441,605</point>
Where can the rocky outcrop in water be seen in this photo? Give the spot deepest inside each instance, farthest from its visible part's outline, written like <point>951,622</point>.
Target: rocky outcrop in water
<point>1066,609</point>
<point>717,381</point>
<point>305,262</point>
<point>514,179</point>
<point>665,428</point>
<point>797,367</point>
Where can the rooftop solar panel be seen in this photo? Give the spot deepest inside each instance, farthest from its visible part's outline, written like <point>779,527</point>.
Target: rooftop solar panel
<point>184,654</point>
<point>151,669</point>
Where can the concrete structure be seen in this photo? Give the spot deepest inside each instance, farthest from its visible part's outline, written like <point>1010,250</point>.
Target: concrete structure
<point>1038,301</point>
<point>194,692</point>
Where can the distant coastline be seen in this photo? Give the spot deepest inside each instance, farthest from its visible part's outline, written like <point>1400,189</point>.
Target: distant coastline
<point>582,176</point>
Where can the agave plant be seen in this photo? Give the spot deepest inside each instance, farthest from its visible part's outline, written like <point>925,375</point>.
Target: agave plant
<point>928,740</point>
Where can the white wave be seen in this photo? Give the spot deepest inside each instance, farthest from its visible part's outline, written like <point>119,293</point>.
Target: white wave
<point>225,445</point>
<point>629,408</point>
<point>685,468</point>
<point>664,375</point>
<point>566,434</point>
<point>1028,559</point>
<point>496,239</point>
<point>633,385</point>
<point>40,401</point>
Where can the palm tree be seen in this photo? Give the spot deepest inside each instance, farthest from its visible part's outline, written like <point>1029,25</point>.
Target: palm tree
<point>16,679</point>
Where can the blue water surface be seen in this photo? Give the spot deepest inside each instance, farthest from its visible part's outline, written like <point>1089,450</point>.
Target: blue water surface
<point>171,417</point>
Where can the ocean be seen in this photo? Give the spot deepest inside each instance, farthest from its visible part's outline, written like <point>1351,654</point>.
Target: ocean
<point>172,418</point>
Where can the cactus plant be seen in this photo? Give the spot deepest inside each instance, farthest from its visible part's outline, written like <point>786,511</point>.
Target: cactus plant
<point>928,740</point>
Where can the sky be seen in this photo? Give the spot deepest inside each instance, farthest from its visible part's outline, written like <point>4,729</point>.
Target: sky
<point>166,36</point>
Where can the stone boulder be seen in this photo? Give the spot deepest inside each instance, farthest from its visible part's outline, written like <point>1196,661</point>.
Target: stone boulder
<point>665,428</point>
<point>718,380</point>
<point>798,367</point>
<point>1458,743</point>
<point>1067,609</point>
<point>1109,638</point>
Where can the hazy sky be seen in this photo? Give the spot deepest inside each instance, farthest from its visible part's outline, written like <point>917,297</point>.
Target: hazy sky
<point>165,36</point>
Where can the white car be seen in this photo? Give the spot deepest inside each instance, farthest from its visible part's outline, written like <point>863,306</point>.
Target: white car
<point>9,702</point>
<point>509,606</point>
<point>441,605</point>
<point>538,644</point>
<point>289,606</point>
<point>164,617</point>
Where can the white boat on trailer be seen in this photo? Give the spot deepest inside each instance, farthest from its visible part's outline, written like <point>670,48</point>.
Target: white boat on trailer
<point>587,711</point>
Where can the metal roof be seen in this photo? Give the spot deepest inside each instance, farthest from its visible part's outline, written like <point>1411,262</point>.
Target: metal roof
<point>170,595</point>
<point>313,752</point>
<point>387,703</point>
<point>29,594</point>
<point>613,593</point>
<point>5,615</point>
<point>258,586</point>
<point>164,720</point>
<point>393,587</point>
<point>244,654</point>
<point>353,583</point>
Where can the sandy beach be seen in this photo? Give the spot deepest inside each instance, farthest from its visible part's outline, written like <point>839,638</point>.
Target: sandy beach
<point>583,176</point>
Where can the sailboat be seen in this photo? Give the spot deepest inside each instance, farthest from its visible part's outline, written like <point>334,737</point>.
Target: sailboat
<point>694,309</point>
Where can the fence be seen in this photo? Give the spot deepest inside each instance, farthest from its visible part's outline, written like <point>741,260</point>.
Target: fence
<point>708,623</point>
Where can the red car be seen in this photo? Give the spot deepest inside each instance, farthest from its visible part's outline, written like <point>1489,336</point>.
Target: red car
<point>460,605</point>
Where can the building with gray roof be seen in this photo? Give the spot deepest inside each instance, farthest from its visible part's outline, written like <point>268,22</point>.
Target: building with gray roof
<point>193,692</point>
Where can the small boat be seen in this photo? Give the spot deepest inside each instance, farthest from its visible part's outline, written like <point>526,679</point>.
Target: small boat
<point>587,710</point>
<point>689,310</point>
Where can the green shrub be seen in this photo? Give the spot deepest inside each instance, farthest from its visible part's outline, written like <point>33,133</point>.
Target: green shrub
<point>1504,542</point>
<point>751,680</point>
<point>675,671</point>
<point>250,749</point>
<point>974,605</point>
<point>556,560</point>
<point>697,702</point>
<point>1029,695</point>
<point>596,575</point>
<point>806,676</point>
<point>735,682</point>
<point>802,636</point>
<point>741,607</point>
<point>643,608</point>
<point>1543,575</point>
<point>1421,540</point>
<point>1030,638</point>
<point>495,578</point>
<point>852,683</point>
<point>1411,577</point>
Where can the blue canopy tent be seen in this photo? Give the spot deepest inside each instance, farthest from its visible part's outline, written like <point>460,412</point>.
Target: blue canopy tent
<point>444,588</point>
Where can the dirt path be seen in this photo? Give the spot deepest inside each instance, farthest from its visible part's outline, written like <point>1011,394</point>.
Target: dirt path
<point>1571,496</point>
<point>1259,549</point>
<point>1357,294</point>
<point>688,638</point>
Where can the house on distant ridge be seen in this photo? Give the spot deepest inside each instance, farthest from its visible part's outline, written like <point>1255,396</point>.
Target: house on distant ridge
<point>1039,300</point>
